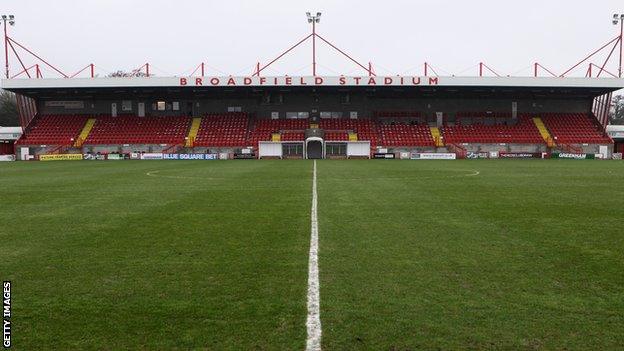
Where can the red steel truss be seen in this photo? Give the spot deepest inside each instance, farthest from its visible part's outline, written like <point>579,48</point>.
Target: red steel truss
<point>34,71</point>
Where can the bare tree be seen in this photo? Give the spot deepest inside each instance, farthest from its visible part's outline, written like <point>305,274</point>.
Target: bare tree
<point>8,109</point>
<point>617,110</point>
<point>121,74</point>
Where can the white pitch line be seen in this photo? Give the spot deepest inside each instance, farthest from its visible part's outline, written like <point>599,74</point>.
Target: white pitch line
<point>156,174</point>
<point>314,309</point>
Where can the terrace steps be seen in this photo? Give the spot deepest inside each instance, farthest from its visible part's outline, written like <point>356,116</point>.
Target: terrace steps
<point>544,131</point>
<point>190,140</point>
<point>437,136</point>
<point>84,134</point>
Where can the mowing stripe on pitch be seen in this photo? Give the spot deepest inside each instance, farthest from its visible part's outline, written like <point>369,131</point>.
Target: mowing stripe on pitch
<point>314,309</point>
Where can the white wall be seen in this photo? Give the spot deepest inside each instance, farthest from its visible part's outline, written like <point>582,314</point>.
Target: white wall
<point>358,148</point>
<point>269,149</point>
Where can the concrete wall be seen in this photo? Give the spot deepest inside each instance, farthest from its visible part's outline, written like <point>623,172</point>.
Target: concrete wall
<point>532,148</point>
<point>587,148</point>
<point>528,148</point>
<point>156,148</point>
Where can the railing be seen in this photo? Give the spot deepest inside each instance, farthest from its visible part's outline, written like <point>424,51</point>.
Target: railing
<point>79,141</point>
<point>251,125</point>
<point>190,142</point>
<point>571,148</point>
<point>168,149</point>
<point>550,142</point>
<point>438,141</point>
<point>57,149</point>
<point>459,150</point>
<point>599,125</point>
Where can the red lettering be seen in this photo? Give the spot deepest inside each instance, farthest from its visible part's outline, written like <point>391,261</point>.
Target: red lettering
<point>231,81</point>
<point>214,81</point>
<point>402,82</point>
<point>372,81</point>
<point>302,81</point>
<point>182,81</point>
<point>275,81</point>
<point>198,81</point>
<point>387,81</point>
<point>416,80</point>
<point>288,80</point>
<point>247,81</point>
<point>262,80</point>
<point>342,81</point>
<point>357,80</point>
<point>318,80</point>
<point>433,81</point>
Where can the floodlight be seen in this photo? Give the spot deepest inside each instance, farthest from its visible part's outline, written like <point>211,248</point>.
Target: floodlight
<point>314,18</point>
<point>10,19</point>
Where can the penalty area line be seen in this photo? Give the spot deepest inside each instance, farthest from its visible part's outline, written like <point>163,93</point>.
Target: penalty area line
<point>313,322</point>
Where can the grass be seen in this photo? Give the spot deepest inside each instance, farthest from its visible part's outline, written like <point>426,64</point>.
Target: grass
<point>413,254</point>
<point>526,255</point>
<point>104,257</point>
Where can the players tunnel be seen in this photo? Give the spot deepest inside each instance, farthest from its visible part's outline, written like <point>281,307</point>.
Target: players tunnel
<point>315,148</point>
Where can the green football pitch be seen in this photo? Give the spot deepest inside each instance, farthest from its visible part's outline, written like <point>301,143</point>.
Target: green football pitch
<point>413,255</point>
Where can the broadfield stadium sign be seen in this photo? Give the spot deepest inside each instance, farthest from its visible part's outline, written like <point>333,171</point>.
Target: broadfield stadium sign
<point>303,81</point>
<point>309,81</point>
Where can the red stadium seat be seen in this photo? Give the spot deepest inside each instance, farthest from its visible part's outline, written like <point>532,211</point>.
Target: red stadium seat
<point>405,135</point>
<point>223,130</point>
<point>469,129</point>
<point>138,130</point>
<point>290,129</point>
<point>231,130</point>
<point>54,130</point>
<point>574,128</point>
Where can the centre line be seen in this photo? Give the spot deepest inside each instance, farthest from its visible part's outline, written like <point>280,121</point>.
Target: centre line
<point>314,314</point>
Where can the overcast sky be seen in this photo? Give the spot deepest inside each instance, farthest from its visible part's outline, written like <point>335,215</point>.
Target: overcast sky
<point>397,36</point>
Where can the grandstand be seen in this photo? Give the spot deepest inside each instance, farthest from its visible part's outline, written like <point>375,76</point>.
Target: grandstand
<point>445,114</point>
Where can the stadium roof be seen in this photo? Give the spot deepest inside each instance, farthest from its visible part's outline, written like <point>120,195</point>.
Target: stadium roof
<point>605,84</point>
<point>392,86</point>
